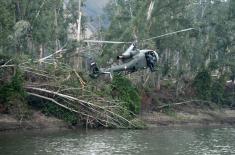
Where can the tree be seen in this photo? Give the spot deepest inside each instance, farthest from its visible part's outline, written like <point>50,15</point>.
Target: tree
<point>210,46</point>
<point>6,24</point>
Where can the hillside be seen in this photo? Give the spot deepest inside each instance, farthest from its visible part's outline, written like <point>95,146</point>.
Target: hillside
<point>94,10</point>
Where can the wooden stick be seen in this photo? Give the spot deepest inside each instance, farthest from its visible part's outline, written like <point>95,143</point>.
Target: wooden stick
<point>61,105</point>
<point>40,74</point>
<point>5,66</point>
<point>59,51</point>
<point>81,101</point>
<point>80,79</point>
<point>180,103</point>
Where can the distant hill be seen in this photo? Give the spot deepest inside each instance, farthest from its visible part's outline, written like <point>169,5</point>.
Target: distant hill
<point>94,9</point>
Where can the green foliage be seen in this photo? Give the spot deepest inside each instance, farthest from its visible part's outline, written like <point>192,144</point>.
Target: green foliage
<point>202,84</point>
<point>212,89</point>
<point>61,113</point>
<point>14,86</point>
<point>210,45</point>
<point>124,90</point>
<point>28,25</point>
<point>217,90</point>
<point>7,22</point>
<point>12,95</point>
<point>169,111</point>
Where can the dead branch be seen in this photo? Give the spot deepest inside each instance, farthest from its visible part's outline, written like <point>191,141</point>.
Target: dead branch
<point>6,66</point>
<point>80,79</point>
<point>52,100</point>
<point>180,103</point>
<point>8,61</point>
<point>89,106</point>
<point>65,107</point>
<point>39,74</point>
<point>33,69</point>
<point>49,56</point>
<point>94,107</point>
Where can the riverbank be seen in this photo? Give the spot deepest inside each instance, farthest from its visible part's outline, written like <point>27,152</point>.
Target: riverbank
<point>199,117</point>
<point>195,117</point>
<point>37,121</point>
<point>165,108</point>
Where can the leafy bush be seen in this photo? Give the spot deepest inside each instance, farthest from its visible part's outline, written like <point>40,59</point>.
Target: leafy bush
<point>61,113</point>
<point>124,90</point>
<point>212,89</point>
<point>12,95</point>
<point>217,91</point>
<point>202,84</point>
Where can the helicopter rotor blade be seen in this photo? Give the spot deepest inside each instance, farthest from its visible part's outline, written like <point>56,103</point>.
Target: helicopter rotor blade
<point>171,33</point>
<point>121,42</point>
<point>106,42</point>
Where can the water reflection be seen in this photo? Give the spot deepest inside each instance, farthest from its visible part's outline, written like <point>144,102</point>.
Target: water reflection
<point>163,141</point>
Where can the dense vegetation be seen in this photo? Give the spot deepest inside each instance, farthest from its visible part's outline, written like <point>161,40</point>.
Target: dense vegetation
<point>205,55</point>
<point>12,93</point>
<point>46,36</point>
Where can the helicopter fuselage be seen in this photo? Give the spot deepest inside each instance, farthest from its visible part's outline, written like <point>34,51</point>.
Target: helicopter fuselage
<point>133,59</point>
<point>134,63</point>
<point>130,64</point>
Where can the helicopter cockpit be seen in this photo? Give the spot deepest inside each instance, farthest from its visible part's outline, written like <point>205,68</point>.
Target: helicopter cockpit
<point>151,59</point>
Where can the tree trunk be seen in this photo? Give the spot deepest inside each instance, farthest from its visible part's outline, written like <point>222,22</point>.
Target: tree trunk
<point>41,52</point>
<point>79,21</point>
<point>56,32</point>
<point>77,60</point>
<point>17,11</point>
<point>159,82</point>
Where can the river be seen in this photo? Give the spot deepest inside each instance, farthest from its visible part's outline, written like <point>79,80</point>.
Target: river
<point>154,141</point>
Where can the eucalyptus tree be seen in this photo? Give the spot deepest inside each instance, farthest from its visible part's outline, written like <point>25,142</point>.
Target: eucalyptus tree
<point>210,46</point>
<point>76,32</point>
<point>6,24</point>
<point>35,26</point>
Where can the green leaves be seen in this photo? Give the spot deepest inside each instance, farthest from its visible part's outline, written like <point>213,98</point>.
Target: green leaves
<point>125,91</point>
<point>202,84</point>
<point>217,91</point>
<point>12,93</point>
<point>6,22</point>
<point>211,89</point>
<point>28,25</point>
<point>51,109</point>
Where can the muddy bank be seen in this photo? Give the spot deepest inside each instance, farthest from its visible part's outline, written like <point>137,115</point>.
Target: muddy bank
<point>37,121</point>
<point>177,118</point>
<point>180,116</point>
<point>152,119</point>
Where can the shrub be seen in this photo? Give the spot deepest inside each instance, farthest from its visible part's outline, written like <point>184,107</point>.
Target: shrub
<point>61,113</point>
<point>124,90</point>
<point>217,91</point>
<point>12,95</point>
<point>202,84</point>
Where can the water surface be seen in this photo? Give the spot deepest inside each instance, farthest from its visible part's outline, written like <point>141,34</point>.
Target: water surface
<point>162,141</point>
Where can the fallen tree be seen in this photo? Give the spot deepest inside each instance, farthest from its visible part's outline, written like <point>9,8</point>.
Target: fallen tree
<point>59,84</point>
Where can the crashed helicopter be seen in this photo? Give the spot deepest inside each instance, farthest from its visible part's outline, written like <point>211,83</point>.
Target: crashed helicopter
<point>133,59</point>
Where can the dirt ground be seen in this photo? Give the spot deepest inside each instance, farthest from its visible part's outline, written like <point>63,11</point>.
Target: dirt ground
<point>37,121</point>
<point>155,112</point>
<point>198,117</point>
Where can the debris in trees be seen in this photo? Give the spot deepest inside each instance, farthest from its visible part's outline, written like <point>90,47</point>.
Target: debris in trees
<point>72,93</point>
